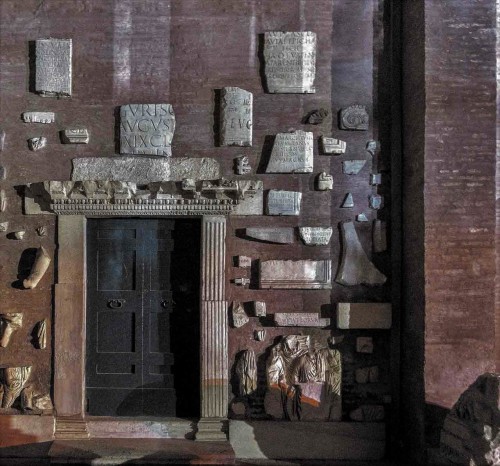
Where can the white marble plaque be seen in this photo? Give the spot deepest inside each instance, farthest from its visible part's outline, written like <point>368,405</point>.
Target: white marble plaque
<point>236,117</point>
<point>283,202</point>
<point>290,62</point>
<point>53,67</point>
<point>75,136</point>
<point>39,117</point>
<point>299,319</point>
<point>292,153</point>
<point>301,274</point>
<point>278,235</point>
<point>333,146</point>
<point>146,129</point>
<point>315,236</point>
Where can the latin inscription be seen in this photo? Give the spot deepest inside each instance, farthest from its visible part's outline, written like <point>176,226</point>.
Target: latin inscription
<point>53,67</point>
<point>292,153</point>
<point>303,319</point>
<point>236,117</point>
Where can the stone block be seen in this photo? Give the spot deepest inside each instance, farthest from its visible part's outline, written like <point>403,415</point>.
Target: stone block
<point>364,315</point>
<point>53,67</point>
<point>301,274</point>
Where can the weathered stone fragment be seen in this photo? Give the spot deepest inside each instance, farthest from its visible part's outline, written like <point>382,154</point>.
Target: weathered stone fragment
<point>283,202</point>
<point>13,380</point>
<point>348,201</point>
<point>352,167</point>
<point>243,281</point>
<point>361,217</point>
<point>301,274</point>
<point>315,236</point>
<point>299,319</point>
<point>259,309</point>
<point>371,147</point>
<point>236,117</point>
<point>2,139</point>
<point>333,146</point>
<point>3,172</point>
<point>244,261</point>
<point>259,335</point>
<point>316,117</point>
<point>292,153</point>
<point>4,226</point>
<point>290,61</point>
<point>364,315</point>
<point>75,136</point>
<point>41,334</point>
<point>240,317</point>
<point>19,235</point>
<point>379,236</point>
<point>147,129</point>
<point>242,165</point>
<point>53,67</point>
<point>355,267</point>
<point>324,182</point>
<point>354,118</point>
<point>9,323</point>
<point>364,345</point>
<point>42,262</point>
<point>144,169</point>
<point>368,413</point>
<point>38,143</point>
<point>41,231</point>
<point>39,117</point>
<point>3,200</point>
<point>376,201</point>
<point>279,235</point>
<point>375,179</point>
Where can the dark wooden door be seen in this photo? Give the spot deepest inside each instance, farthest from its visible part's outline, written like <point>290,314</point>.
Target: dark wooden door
<point>129,305</point>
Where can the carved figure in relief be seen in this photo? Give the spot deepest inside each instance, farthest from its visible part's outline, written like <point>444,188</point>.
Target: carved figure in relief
<point>42,262</point>
<point>37,143</point>
<point>240,317</point>
<point>41,334</point>
<point>316,117</point>
<point>9,322</point>
<point>246,371</point>
<point>13,380</point>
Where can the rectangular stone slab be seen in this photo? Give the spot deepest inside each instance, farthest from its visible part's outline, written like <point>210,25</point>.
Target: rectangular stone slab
<point>283,202</point>
<point>53,67</point>
<point>301,274</point>
<point>299,319</point>
<point>39,117</point>
<point>236,117</point>
<point>364,315</point>
<point>144,169</point>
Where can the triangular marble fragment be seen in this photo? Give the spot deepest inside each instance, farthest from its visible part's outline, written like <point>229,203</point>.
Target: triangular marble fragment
<point>271,235</point>
<point>240,317</point>
<point>362,217</point>
<point>355,267</point>
<point>348,201</point>
<point>352,167</point>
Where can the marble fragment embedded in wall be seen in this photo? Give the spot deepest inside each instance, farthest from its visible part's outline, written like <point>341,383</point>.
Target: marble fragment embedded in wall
<point>9,323</point>
<point>364,315</point>
<point>41,334</point>
<point>3,200</point>
<point>37,143</point>
<point>239,315</point>
<point>324,182</point>
<point>375,201</point>
<point>242,165</point>
<point>348,202</point>
<point>259,309</point>
<point>299,319</point>
<point>290,62</point>
<point>39,117</point>
<point>315,236</point>
<point>243,262</point>
<point>283,202</point>
<point>246,373</point>
<point>242,281</point>
<point>316,117</point>
<point>352,167</point>
<point>42,262</point>
<point>292,153</point>
<point>75,136</point>
<point>259,335</point>
<point>236,117</point>
<point>147,129</point>
<point>354,118</point>
<point>333,146</point>
<point>364,345</point>
<point>375,179</point>
<point>301,274</point>
<point>4,226</point>
<point>13,380</point>
<point>278,235</point>
<point>53,73</point>
<point>2,140</point>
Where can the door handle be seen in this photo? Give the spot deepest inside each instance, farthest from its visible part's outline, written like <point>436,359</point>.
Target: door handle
<point>116,303</point>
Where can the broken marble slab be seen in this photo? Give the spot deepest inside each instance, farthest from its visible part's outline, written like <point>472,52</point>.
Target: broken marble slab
<point>147,129</point>
<point>283,202</point>
<point>300,274</point>
<point>375,201</point>
<point>354,118</point>
<point>75,136</point>
<point>361,217</point>
<point>279,235</point>
<point>236,117</point>
<point>240,317</point>
<point>39,117</point>
<point>348,202</point>
<point>292,153</point>
<point>144,169</point>
<point>259,308</point>
<point>333,146</point>
<point>290,61</point>
<point>53,67</point>
<point>315,236</point>
<point>355,267</point>
<point>352,167</point>
<point>37,143</point>
<point>364,316</point>
<point>299,319</point>
<point>379,236</point>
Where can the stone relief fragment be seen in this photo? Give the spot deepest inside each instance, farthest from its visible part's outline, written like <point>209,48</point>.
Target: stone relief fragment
<point>375,201</point>
<point>333,146</point>
<point>316,117</point>
<point>290,62</point>
<point>37,143</point>
<point>41,231</point>
<point>283,202</point>
<point>352,167</point>
<point>42,262</point>
<point>379,236</point>
<point>236,117</point>
<point>246,372</point>
<point>3,200</point>
<point>41,334</point>
<point>39,117</point>
<point>375,179</point>
<point>53,73</point>
<point>259,335</point>
<point>13,380</point>
<point>242,281</point>
<point>244,262</point>
<point>304,380</point>
<point>348,202</point>
<point>364,315</point>
<point>19,235</point>
<point>301,274</point>
<point>292,153</point>
<point>75,136</point>
<point>355,267</point>
<point>324,182</point>
<point>147,129</point>
<point>240,317</point>
<point>354,118</point>
<point>9,323</point>
<point>259,308</point>
<point>299,319</point>
<point>364,345</point>
<point>278,235</point>
<point>315,236</point>
<point>361,217</point>
<point>4,226</point>
<point>242,165</point>
<point>368,413</point>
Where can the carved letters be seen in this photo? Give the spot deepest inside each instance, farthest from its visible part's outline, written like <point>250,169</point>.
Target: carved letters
<point>283,202</point>
<point>292,153</point>
<point>236,117</point>
<point>53,67</point>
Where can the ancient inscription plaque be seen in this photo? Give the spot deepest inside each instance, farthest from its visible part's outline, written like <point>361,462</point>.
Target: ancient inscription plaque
<point>352,167</point>
<point>283,202</point>
<point>53,67</point>
<point>236,117</point>
<point>290,62</point>
<point>301,274</point>
<point>39,117</point>
<point>315,236</point>
<point>147,129</point>
<point>292,153</point>
<point>299,319</point>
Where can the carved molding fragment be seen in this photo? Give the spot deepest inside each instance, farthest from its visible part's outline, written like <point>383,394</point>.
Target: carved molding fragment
<point>299,319</point>
<point>355,267</point>
<point>236,117</point>
<point>333,146</point>
<point>324,182</point>
<point>279,235</point>
<point>242,165</point>
<point>37,143</point>
<point>9,323</point>
<point>42,262</point>
<point>53,67</point>
<point>316,236</point>
<point>301,274</point>
<point>348,202</point>
<point>41,334</point>
<point>354,118</point>
<point>246,372</point>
